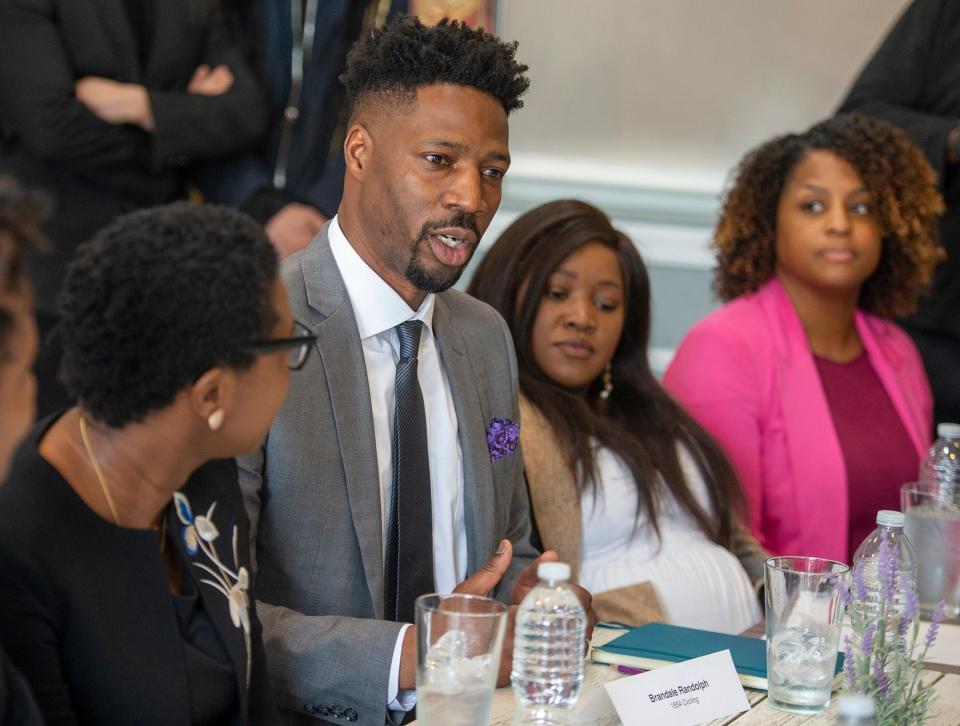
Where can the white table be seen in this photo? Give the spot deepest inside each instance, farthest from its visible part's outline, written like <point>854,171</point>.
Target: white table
<point>945,710</point>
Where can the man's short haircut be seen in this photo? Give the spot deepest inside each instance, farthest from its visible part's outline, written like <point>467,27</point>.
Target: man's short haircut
<point>392,62</point>
<point>158,298</point>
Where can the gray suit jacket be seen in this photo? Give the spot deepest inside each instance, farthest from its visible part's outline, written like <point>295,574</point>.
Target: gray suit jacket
<point>313,495</point>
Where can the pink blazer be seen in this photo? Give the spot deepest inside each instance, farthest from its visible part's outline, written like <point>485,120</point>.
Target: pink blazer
<point>746,373</point>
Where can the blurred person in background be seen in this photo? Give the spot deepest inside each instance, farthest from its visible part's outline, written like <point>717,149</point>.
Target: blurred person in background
<point>624,484</point>
<point>19,217</point>
<point>818,398</point>
<point>913,82</point>
<point>103,105</point>
<point>293,183</point>
<point>126,593</point>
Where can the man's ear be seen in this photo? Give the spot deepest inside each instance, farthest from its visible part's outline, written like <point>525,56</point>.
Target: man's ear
<point>358,150</point>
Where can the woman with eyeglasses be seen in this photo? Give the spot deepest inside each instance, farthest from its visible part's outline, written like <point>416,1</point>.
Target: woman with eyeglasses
<point>126,592</point>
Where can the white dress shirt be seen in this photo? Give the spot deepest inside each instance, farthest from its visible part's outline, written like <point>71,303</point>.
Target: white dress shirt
<point>378,309</point>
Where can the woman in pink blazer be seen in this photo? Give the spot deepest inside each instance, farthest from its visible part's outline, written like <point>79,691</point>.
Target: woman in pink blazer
<point>820,401</point>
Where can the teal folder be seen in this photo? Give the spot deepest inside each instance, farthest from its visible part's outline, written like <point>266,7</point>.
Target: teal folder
<point>658,644</point>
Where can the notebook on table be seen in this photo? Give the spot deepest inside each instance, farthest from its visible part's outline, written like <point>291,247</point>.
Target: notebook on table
<point>658,644</point>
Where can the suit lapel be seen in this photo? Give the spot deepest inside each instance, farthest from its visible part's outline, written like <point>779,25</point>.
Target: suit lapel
<point>472,418</point>
<point>116,22</point>
<point>888,365</point>
<point>215,603</point>
<point>341,353</point>
<point>815,453</point>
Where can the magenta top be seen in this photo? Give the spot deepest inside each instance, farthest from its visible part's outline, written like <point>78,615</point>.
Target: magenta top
<point>877,450</point>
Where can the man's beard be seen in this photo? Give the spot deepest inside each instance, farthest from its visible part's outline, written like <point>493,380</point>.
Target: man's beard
<point>426,279</point>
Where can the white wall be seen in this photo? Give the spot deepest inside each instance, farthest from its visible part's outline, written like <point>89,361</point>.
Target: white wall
<point>679,89</point>
<point>643,106</point>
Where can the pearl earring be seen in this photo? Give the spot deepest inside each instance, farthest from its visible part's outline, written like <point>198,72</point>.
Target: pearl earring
<point>216,420</point>
<point>607,383</point>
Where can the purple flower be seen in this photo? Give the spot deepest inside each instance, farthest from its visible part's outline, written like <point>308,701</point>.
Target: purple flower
<point>859,586</point>
<point>866,645</point>
<point>913,605</point>
<point>844,592</point>
<point>935,624</point>
<point>904,625</point>
<point>502,438</point>
<point>849,667</point>
<point>883,682</point>
<point>886,569</point>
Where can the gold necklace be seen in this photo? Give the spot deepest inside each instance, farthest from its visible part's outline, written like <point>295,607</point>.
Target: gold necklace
<point>162,529</point>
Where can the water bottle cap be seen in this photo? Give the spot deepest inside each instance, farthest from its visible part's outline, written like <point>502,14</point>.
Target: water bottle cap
<point>853,706</point>
<point>553,571</point>
<point>948,431</point>
<point>890,518</point>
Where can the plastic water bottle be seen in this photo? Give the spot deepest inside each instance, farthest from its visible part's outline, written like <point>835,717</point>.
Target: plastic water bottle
<point>940,469</point>
<point>854,710</point>
<point>548,649</point>
<point>890,529</point>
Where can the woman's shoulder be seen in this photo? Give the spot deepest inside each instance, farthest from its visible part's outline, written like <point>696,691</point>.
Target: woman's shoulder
<point>33,493</point>
<point>888,340</point>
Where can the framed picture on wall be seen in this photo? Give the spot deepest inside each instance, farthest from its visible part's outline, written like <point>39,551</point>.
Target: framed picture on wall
<point>475,13</point>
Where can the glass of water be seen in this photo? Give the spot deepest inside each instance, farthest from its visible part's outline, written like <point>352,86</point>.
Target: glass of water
<point>804,615</point>
<point>459,638</point>
<point>933,528</point>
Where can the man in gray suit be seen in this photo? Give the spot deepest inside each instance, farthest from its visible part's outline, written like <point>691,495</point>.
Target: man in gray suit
<point>394,468</point>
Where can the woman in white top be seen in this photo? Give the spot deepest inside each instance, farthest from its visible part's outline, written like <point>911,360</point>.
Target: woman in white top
<point>623,483</point>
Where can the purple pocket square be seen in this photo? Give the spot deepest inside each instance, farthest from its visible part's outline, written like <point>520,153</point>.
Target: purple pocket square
<point>502,438</point>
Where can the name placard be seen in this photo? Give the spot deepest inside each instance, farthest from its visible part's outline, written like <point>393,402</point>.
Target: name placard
<point>683,694</point>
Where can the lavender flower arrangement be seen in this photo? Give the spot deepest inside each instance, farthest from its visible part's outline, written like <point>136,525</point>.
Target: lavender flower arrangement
<point>884,659</point>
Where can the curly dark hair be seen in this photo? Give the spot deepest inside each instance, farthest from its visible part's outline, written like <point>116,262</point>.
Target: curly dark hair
<point>894,171</point>
<point>157,298</point>
<point>402,56</point>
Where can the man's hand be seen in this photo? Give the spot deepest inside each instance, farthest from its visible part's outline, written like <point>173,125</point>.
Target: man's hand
<point>480,582</point>
<point>208,81</point>
<point>293,227</point>
<point>114,102</point>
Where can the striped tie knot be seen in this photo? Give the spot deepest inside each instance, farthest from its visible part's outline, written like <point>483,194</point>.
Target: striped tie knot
<point>409,334</point>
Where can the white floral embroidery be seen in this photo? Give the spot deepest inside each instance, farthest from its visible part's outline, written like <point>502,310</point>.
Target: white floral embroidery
<point>199,534</point>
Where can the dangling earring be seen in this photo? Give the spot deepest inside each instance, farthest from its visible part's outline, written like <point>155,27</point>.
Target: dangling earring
<point>607,383</point>
<point>216,420</point>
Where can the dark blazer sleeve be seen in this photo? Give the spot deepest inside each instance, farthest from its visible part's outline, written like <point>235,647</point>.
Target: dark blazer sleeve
<point>195,127</point>
<point>896,81</point>
<point>28,632</point>
<point>38,103</point>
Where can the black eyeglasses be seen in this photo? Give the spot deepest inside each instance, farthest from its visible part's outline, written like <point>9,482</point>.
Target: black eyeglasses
<point>298,346</point>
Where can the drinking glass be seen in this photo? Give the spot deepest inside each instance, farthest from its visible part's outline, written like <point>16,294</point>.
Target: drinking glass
<point>459,638</point>
<point>804,614</point>
<point>933,528</point>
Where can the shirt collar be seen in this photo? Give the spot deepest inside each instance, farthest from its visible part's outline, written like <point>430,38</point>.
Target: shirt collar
<point>376,306</point>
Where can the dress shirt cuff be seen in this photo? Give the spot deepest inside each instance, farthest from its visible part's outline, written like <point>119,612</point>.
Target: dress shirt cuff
<point>398,700</point>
